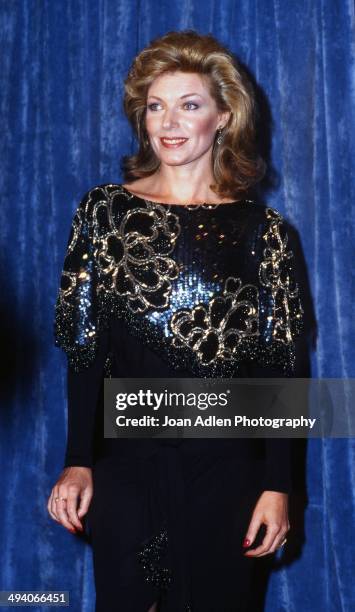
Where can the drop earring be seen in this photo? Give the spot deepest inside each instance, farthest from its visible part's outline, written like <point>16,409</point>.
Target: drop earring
<point>219,137</point>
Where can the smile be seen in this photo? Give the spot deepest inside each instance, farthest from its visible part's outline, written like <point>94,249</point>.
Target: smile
<point>173,142</point>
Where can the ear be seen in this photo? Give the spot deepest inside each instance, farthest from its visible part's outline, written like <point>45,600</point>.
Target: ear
<point>223,119</point>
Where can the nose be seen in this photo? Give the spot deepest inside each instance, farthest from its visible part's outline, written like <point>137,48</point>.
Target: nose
<point>169,119</point>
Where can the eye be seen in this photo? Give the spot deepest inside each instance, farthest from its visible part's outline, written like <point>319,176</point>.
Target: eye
<point>193,104</point>
<point>153,104</point>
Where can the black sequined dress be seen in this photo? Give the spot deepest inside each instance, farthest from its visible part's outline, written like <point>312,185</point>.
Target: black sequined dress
<point>157,290</point>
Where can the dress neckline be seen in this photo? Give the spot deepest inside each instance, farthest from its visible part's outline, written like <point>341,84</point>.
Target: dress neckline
<point>182,206</point>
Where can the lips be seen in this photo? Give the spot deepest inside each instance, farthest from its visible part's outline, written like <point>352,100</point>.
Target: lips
<point>173,142</point>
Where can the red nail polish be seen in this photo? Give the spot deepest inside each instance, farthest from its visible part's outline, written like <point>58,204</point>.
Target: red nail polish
<point>246,542</point>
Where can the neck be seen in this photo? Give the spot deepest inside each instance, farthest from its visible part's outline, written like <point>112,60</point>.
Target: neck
<point>182,184</point>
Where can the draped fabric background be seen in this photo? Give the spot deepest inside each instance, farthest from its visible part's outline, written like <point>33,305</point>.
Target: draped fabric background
<point>63,131</point>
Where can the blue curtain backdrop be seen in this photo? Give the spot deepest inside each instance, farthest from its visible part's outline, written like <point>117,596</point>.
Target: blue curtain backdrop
<point>63,131</point>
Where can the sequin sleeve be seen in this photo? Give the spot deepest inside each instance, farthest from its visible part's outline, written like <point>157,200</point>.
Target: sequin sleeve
<point>281,325</point>
<point>78,333</point>
<point>75,327</point>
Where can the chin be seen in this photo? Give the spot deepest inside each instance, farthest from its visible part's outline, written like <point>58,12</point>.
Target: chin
<point>170,159</point>
<point>177,162</point>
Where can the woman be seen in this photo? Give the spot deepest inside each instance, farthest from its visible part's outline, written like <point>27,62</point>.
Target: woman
<point>156,271</point>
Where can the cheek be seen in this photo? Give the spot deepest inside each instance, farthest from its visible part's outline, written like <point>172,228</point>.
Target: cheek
<point>152,124</point>
<point>202,127</point>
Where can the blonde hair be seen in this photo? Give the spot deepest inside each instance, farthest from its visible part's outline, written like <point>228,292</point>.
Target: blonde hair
<point>236,163</point>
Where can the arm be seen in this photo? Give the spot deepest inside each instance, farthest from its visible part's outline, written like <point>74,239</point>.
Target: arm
<point>281,328</point>
<point>271,508</point>
<point>281,325</point>
<point>78,331</point>
<point>278,451</point>
<point>75,482</point>
<point>83,392</point>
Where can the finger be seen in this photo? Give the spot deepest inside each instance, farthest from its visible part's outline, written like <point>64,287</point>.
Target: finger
<point>55,495</point>
<point>72,504</point>
<point>276,543</point>
<point>49,507</point>
<point>62,513</point>
<point>253,529</point>
<point>279,538</point>
<point>271,532</point>
<point>85,502</point>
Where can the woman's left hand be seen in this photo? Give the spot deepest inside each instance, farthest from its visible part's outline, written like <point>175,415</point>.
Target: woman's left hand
<point>271,510</point>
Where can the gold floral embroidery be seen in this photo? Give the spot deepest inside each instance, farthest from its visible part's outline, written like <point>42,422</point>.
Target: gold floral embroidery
<point>214,330</point>
<point>134,258</point>
<point>276,272</point>
<point>71,276</point>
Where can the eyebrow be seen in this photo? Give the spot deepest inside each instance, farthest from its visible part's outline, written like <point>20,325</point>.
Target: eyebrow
<point>184,96</point>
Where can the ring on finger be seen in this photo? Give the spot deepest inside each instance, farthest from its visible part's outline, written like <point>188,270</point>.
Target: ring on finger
<point>282,543</point>
<point>60,498</point>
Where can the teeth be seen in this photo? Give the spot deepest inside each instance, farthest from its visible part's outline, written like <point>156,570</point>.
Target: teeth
<point>173,140</point>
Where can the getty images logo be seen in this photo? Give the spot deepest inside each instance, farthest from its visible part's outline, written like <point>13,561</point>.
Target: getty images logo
<point>155,401</point>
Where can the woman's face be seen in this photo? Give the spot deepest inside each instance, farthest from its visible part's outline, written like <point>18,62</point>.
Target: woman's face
<point>179,106</point>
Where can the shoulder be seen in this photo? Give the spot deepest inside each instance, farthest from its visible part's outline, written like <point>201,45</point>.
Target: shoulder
<point>264,212</point>
<point>99,196</point>
<point>265,218</point>
<point>100,193</point>
<point>271,236</point>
